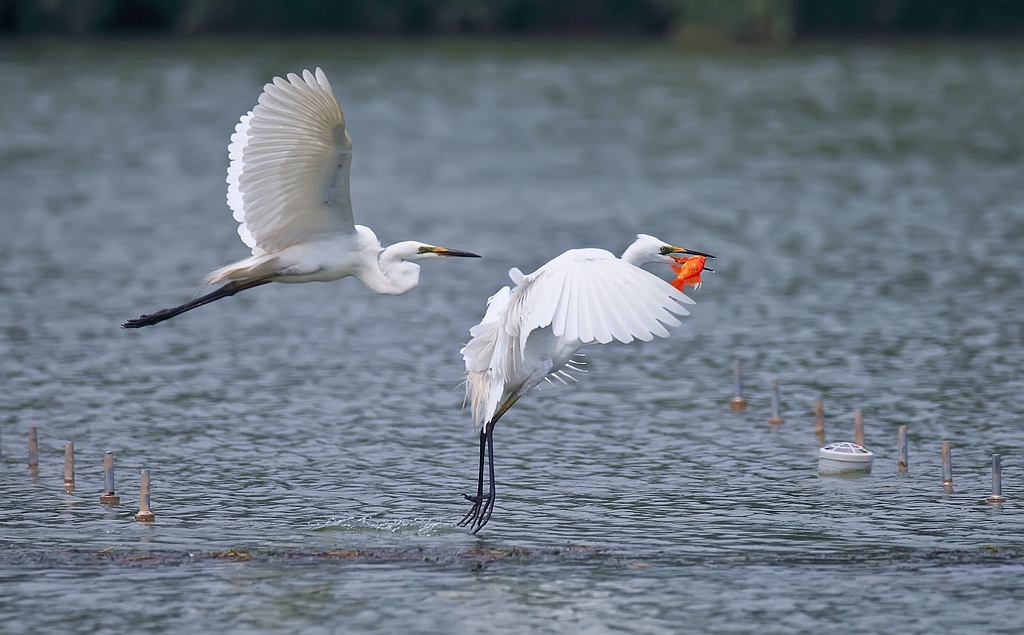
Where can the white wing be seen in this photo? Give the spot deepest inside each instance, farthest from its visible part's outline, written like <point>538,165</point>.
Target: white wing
<point>584,296</point>
<point>479,352</point>
<point>484,356</point>
<point>288,180</point>
<point>590,296</point>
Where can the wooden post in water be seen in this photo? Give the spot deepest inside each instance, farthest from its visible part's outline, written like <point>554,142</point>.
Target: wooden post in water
<point>145,515</point>
<point>819,419</point>
<point>902,452</point>
<point>69,466</point>
<point>947,466</point>
<point>109,497</point>
<point>997,480</point>
<point>737,403</point>
<point>775,419</point>
<point>858,428</point>
<point>33,449</point>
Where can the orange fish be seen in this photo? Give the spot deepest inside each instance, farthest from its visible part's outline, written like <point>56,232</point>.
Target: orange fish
<point>688,273</point>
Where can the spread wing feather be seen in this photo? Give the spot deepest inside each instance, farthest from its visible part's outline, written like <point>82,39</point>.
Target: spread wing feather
<point>591,296</point>
<point>584,296</point>
<point>288,180</point>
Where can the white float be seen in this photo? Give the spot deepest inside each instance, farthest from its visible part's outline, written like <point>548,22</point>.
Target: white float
<point>843,457</point>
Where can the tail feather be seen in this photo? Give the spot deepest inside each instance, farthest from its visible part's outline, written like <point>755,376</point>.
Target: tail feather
<point>482,396</point>
<point>251,267</point>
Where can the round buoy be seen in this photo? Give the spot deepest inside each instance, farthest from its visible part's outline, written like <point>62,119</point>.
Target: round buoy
<point>842,457</point>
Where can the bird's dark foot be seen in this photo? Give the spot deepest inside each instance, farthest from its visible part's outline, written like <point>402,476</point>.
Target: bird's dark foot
<point>480,513</point>
<point>145,320</point>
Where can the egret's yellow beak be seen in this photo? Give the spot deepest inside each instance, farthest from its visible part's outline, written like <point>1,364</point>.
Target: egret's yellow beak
<point>443,251</point>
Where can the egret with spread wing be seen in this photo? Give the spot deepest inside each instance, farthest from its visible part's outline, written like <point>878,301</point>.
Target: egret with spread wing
<point>531,332</point>
<point>288,187</point>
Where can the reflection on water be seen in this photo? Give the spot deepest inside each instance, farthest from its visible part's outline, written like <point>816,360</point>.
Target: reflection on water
<point>866,211</point>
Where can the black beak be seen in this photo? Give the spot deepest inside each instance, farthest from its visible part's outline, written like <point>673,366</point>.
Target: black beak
<point>698,253</point>
<point>441,251</point>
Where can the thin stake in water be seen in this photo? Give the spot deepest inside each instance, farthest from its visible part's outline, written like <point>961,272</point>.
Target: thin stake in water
<point>997,480</point>
<point>145,515</point>
<point>737,403</point>
<point>33,448</point>
<point>947,466</point>
<point>775,419</point>
<point>819,419</point>
<point>109,497</point>
<point>69,466</point>
<point>858,428</point>
<point>902,452</point>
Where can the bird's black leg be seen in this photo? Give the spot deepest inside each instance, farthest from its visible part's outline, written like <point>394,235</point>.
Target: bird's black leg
<point>474,513</point>
<point>227,290</point>
<point>483,504</point>
<point>488,509</point>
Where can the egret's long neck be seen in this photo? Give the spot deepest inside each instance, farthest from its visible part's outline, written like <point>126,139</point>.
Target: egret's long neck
<point>388,273</point>
<point>635,255</point>
<point>383,271</point>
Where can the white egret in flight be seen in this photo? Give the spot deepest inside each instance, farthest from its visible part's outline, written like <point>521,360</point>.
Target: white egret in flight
<point>531,332</point>
<point>288,187</point>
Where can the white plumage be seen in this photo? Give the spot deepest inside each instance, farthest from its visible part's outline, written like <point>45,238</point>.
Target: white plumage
<point>582,297</point>
<point>288,188</point>
<point>288,180</point>
<point>530,332</point>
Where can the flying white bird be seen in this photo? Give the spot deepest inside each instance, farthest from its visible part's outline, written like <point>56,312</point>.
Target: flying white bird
<point>530,333</point>
<point>288,187</point>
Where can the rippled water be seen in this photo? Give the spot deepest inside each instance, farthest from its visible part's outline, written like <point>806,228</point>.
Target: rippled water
<point>307,444</point>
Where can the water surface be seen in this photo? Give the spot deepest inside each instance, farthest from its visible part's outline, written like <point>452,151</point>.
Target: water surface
<point>307,443</point>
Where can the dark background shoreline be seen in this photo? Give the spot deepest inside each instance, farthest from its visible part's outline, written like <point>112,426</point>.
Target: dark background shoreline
<point>697,22</point>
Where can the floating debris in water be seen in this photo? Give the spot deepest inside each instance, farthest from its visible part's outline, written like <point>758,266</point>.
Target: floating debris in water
<point>482,555</point>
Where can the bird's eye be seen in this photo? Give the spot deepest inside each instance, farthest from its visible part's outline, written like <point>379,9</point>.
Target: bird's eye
<point>424,249</point>
<point>666,250</point>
